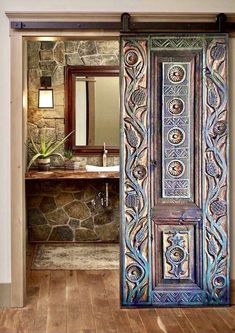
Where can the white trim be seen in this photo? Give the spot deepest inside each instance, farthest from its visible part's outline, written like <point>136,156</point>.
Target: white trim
<point>114,16</point>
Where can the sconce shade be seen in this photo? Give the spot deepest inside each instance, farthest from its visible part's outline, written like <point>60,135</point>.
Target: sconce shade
<point>45,98</point>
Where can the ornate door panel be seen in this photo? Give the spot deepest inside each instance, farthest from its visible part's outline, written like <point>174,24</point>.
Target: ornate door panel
<point>174,171</point>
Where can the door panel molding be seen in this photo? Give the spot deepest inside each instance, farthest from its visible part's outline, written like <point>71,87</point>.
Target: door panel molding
<point>195,226</point>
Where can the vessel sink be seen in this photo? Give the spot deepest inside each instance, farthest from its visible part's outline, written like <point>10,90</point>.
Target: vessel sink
<point>95,168</point>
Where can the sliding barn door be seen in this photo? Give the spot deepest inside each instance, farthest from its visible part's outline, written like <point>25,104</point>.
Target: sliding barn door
<point>174,170</point>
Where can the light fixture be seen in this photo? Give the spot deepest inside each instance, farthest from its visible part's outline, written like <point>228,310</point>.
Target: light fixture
<point>45,95</point>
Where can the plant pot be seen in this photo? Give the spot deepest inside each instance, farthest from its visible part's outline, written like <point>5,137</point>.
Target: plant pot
<point>44,164</point>
<point>71,165</point>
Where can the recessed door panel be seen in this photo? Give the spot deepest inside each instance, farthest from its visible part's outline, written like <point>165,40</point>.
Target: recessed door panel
<point>174,163</point>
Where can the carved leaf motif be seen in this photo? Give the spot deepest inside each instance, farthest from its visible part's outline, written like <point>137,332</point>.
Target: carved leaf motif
<point>217,52</point>
<point>136,132</point>
<point>219,207</point>
<point>138,96</point>
<point>140,235</point>
<point>215,124</point>
<point>131,200</point>
<point>213,97</point>
<point>211,168</point>
<point>212,247</point>
<point>132,138</point>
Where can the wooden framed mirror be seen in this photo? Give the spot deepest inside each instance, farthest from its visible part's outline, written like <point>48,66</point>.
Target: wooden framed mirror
<point>92,109</point>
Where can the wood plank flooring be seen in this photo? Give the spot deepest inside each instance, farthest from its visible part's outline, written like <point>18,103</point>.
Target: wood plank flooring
<point>88,302</point>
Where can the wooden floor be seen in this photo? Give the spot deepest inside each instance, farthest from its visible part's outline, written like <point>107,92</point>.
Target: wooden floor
<point>88,302</point>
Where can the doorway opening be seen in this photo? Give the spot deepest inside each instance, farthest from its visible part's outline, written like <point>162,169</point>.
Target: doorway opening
<point>71,222</point>
<point>72,214</point>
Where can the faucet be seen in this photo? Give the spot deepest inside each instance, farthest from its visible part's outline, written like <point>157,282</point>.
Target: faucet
<point>105,153</point>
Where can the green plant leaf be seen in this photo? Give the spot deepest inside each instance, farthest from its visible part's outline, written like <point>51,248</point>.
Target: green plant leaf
<point>43,145</point>
<point>46,149</point>
<point>58,145</point>
<point>33,143</point>
<point>58,154</point>
<point>34,158</point>
<point>50,144</point>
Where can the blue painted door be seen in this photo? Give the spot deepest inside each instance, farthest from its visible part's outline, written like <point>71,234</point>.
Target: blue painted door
<point>174,170</point>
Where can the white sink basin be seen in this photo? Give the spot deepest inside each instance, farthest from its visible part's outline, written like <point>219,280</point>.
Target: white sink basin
<point>95,168</point>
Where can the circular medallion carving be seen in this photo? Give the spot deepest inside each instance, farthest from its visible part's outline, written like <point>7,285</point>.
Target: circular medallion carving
<point>220,127</point>
<point>176,74</point>
<point>139,172</point>
<point>176,254</point>
<point>176,168</point>
<point>176,136</point>
<point>219,281</point>
<point>219,207</point>
<point>176,106</point>
<point>134,273</point>
<point>131,58</point>
<point>138,96</point>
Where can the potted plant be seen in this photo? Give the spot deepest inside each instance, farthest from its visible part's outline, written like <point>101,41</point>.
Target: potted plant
<point>43,153</point>
<point>69,160</point>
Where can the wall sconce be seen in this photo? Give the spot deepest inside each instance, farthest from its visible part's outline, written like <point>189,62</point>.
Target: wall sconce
<point>45,95</point>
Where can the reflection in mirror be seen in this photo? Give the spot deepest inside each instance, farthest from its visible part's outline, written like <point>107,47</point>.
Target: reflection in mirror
<point>92,109</point>
<point>97,111</point>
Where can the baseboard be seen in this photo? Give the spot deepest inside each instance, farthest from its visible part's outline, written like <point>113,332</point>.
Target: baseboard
<point>233,292</point>
<point>5,295</point>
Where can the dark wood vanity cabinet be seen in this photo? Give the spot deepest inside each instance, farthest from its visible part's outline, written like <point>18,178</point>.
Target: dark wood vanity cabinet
<point>174,171</point>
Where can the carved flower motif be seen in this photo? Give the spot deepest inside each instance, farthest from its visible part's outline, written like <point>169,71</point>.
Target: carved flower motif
<point>131,58</point>
<point>139,172</point>
<point>134,273</point>
<point>219,281</point>
<point>176,168</point>
<point>220,127</point>
<point>176,136</point>
<point>176,74</point>
<point>177,254</point>
<point>176,106</point>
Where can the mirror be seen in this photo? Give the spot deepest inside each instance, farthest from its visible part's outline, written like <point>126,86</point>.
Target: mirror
<point>92,108</point>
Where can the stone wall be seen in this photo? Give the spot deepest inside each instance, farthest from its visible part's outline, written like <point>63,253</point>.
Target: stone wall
<point>71,211</point>
<point>67,210</point>
<point>48,58</point>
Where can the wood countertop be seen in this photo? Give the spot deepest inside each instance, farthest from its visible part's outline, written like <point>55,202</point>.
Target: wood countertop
<point>70,174</point>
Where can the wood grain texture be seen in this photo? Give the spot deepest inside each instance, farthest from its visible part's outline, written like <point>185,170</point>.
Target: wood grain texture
<point>174,153</point>
<point>134,180</point>
<point>215,176</point>
<point>88,302</point>
<point>69,174</point>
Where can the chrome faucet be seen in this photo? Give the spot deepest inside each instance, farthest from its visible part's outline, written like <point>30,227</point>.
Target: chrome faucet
<point>105,154</point>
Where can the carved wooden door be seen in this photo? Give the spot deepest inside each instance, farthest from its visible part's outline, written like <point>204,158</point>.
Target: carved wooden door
<point>174,170</point>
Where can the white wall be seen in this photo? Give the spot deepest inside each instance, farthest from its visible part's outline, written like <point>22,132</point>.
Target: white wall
<point>186,6</point>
